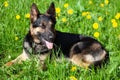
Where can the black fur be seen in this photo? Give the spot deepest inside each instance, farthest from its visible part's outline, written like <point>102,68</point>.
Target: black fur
<point>70,44</point>
<point>42,38</point>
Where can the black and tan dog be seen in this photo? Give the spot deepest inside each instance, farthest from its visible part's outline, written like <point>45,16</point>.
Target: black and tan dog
<point>42,37</point>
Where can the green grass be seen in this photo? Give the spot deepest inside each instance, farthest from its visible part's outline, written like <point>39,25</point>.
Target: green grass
<point>10,28</point>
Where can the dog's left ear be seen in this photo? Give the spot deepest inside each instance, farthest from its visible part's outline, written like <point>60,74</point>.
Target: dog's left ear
<point>51,10</point>
<point>34,13</point>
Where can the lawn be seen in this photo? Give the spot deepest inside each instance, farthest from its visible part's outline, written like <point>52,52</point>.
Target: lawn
<point>96,18</point>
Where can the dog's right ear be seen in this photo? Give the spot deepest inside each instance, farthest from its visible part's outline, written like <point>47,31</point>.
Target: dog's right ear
<point>51,10</point>
<point>34,13</point>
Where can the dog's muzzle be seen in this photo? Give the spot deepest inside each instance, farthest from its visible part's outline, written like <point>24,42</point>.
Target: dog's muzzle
<point>48,44</point>
<point>48,39</point>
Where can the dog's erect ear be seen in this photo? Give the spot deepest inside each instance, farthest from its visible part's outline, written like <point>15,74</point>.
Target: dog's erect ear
<point>51,10</point>
<point>34,13</point>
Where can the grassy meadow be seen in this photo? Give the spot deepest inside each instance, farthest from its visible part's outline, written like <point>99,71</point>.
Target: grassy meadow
<point>97,18</point>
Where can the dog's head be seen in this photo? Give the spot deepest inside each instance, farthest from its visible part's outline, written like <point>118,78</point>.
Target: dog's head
<point>42,25</point>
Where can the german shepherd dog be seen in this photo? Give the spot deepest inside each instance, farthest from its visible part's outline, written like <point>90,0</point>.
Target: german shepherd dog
<point>42,37</point>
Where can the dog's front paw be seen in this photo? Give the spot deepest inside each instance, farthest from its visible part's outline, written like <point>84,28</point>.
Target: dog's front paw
<point>9,63</point>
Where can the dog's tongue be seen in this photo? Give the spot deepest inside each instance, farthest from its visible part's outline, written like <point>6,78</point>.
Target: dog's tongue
<point>49,44</point>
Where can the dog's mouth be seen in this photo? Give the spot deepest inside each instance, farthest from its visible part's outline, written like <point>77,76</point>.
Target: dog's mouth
<point>48,44</point>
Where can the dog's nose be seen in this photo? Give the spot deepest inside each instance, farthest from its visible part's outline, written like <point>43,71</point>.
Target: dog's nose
<point>51,36</point>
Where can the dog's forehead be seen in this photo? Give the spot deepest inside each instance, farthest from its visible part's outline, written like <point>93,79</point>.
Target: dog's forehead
<point>44,18</point>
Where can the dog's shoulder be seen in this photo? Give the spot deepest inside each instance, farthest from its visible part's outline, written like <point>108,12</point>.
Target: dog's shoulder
<point>27,42</point>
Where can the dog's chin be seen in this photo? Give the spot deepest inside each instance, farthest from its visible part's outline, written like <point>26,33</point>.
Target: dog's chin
<point>48,44</point>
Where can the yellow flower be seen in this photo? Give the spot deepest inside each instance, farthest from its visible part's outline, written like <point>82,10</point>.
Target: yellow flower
<point>100,18</point>
<point>117,16</point>
<point>27,15</point>
<point>115,24</point>
<point>18,17</point>
<point>84,13</point>
<point>88,13</point>
<point>66,5</point>
<point>113,20</point>
<point>6,4</point>
<point>16,38</point>
<point>102,5</point>
<point>95,25</point>
<point>57,10</point>
<point>64,19</point>
<point>73,68</point>
<point>106,2</point>
<point>73,78</point>
<point>96,34</point>
<point>90,2</point>
<point>70,11</point>
<point>88,16</point>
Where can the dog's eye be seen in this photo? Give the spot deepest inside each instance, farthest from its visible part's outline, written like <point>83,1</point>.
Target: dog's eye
<point>43,26</point>
<point>35,24</point>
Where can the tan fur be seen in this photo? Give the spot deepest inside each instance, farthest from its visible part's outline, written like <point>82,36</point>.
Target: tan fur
<point>101,56</point>
<point>34,32</point>
<point>19,59</point>
<point>85,60</point>
<point>33,14</point>
<point>24,56</point>
<point>95,46</point>
<point>42,57</point>
<point>78,60</point>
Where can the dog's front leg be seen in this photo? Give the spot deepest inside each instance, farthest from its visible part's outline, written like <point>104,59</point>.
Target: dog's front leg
<point>42,58</point>
<point>19,59</point>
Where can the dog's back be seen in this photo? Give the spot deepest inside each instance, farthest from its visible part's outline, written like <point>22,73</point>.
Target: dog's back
<point>82,50</point>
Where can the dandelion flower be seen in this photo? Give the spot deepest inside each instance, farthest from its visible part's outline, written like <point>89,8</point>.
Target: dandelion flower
<point>84,13</point>
<point>88,13</point>
<point>88,16</point>
<point>115,24</point>
<point>64,19</point>
<point>96,34</point>
<point>106,2</point>
<point>66,5</point>
<point>100,18</point>
<point>18,17</point>
<point>90,2</point>
<point>117,16</point>
<point>95,25</point>
<point>57,10</point>
<point>73,78</point>
<point>70,11</point>
<point>102,5</point>
<point>6,4</point>
<point>16,38</point>
<point>73,68</point>
<point>27,15</point>
<point>113,20</point>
